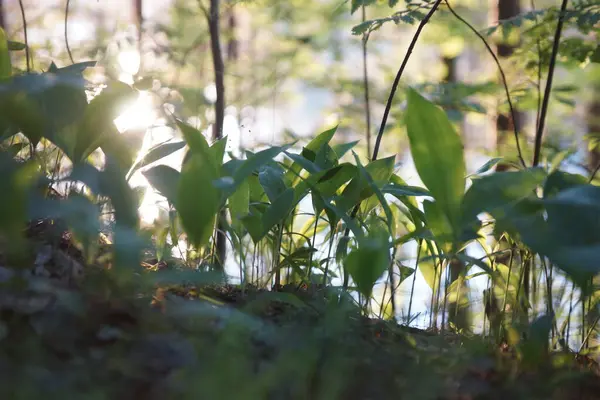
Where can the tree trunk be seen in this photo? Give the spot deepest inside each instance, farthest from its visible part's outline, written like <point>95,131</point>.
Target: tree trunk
<point>2,16</point>
<point>506,9</point>
<point>458,315</point>
<point>139,22</point>
<point>593,125</point>
<point>219,70</point>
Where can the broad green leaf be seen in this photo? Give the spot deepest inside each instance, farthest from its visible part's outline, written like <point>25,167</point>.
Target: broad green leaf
<point>404,273</point>
<point>253,163</point>
<point>495,192</point>
<point>279,209</point>
<point>491,163</point>
<point>384,204</point>
<point>401,190</point>
<point>5,65</point>
<point>197,199</point>
<point>575,210</point>
<point>304,163</point>
<point>123,200</point>
<point>356,4</point>
<point>97,126</point>
<point>16,180</point>
<point>359,189</point>
<point>342,149</point>
<point>437,152</point>
<point>195,140</point>
<point>438,224</point>
<point>271,180</point>
<point>291,176</point>
<point>218,150</point>
<point>368,262</point>
<point>239,201</point>
<point>253,222</point>
<point>165,180</point>
<point>156,153</point>
<point>16,46</point>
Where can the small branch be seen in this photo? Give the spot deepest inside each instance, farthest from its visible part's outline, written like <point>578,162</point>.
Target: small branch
<point>67,31</point>
<point>540,131</point>
<point>366,83</point>
<point>27,56</point>
<point>502,75</point>
<point>219,68</point>
<point>411,47</point>
<point>594,173</point>
<point>388,107</point>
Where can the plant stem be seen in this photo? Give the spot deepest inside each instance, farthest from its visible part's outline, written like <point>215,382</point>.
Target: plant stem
<point>412,286</point>
<point>411,47</point>
<point>365,39</point>
<point>503,77</point>
<point>27,56</point>
<point>540,131</point>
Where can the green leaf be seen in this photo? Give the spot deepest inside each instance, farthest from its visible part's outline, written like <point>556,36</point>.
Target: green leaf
<point>97,125</point>
<point>405,272</point>
<point>404,190</point>
<point>194,139</point>
<point>239,201</point>
<point>437,152</point>
<point>218,150</point>
<point>5,65</point>
<point>16,46</point>
<point>386,208</point>
<point>253,163</point>
<point>197,199</point>
<point>165,180</point>
<point>271,180</point>
<point>156,153</point>
<point>359,189</point>
<point>439,224</point>
<point>491,163</point>
<point>493,193</point>
<point>342,149</point>
<point>368,262</point>
<point>279,209</point>
<point>356,4</point>
<point>291,176</point>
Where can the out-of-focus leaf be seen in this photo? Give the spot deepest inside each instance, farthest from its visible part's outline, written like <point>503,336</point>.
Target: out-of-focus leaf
<point>437,152</point>
<point>368,262</point>
<point>156,153</point>
<point>342,149</point>
<point>5,64</point>
<point>165,180</point>
<point>272,182</point>
<point>97,125</point>
<point>493,193</point>
<point>198,200</point>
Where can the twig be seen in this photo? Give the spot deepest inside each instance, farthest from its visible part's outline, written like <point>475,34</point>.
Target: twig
<point>388,107</point>
<point>540,131</point>
<point>594,173</point>
<point>502,75</point>
<point>67,31</point>
<point>411,47</point>
<point>366,83</point>
<point>27,56</point>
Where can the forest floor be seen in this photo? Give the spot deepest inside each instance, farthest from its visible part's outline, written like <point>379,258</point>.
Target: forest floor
<point>99,335</point>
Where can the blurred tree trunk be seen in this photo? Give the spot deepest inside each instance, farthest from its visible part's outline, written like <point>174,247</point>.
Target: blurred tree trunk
<point>139,22</point>
<point>593,128</point>
<point>458,310</point>
<point>2,17</point>
<point>505,9</point>
<point>505,126</point>
<point>219,71</point>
